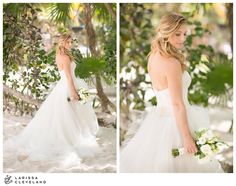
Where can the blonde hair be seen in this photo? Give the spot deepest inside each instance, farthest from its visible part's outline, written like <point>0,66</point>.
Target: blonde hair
<point>169,24</point>
<point>61,46</point>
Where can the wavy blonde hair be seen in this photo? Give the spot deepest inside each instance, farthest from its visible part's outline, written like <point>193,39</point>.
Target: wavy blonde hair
<point>61,46</point>
<point>168,25</point>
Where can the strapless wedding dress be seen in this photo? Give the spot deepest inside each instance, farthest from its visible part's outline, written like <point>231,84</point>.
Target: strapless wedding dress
<point>59,128</point>
<point>150,148</point>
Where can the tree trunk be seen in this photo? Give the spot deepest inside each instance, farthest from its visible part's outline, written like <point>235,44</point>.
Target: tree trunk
<point>19,95</point>
<point>91,40</point>
<point>104,99</point>
<point>229,7</point>
<point>111,11</point>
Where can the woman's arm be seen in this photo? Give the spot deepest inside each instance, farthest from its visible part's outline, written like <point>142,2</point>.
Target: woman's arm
<point>67,70</point>
<point>174,79</point>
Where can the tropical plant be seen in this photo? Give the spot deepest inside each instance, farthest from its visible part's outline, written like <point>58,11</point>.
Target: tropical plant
<point>203,61</point>
<point>25,62</point>
<point>135,34</point>
<point>208,68</point>
<point>101,12</point>
<point>24,52</point>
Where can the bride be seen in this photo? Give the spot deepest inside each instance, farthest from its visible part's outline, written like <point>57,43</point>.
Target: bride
<point>172,122</point>
<point>60,127</point>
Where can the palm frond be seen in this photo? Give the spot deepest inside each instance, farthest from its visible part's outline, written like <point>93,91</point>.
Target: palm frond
<point>60,12</point>
<point>219,80</point>
<point>86,67</point>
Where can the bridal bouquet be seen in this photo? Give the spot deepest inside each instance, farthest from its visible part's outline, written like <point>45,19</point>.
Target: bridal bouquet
<point>207,143</point>
<point>83,94</point>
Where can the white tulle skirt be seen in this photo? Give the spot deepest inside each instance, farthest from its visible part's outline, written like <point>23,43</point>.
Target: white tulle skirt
<point>150,148</point>
<point>59,129</point>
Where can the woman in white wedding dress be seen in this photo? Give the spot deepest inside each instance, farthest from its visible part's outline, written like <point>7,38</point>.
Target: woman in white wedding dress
<point>172,122</point>
<point>60,129</point>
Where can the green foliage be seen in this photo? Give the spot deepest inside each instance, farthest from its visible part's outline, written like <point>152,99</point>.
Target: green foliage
<point>220,77</point>
<point>23,53</point>
<point>216,82</point>
<point>211,71</point>
<point>105,64</point>
<point>153,100</point>
<point>19,9</point>
<point>101,12</point>
<point>29,69</point>
<point>109,48</point>
<point>203,61</point>
<point>135,34</point>
<point>59,12</point>
<point>86,67</point>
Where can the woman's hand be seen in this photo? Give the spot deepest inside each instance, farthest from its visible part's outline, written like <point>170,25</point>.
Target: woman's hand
<point>75,96</point>
<point>189,145</point>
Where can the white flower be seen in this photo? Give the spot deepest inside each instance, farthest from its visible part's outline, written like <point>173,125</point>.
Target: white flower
<point>206,149</point>
<point>201,140</point>
<point>202,129</point>
<point>208,135</point>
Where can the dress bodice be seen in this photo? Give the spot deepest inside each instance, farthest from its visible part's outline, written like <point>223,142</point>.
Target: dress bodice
<point>78,82</point>
<point>149,149</point>
<point>163,96</point>
<point>72,66</point>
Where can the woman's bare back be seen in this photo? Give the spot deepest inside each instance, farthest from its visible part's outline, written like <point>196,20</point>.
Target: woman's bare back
<point>159,68</point>
<point>60,61</point>
<point>157,71</point>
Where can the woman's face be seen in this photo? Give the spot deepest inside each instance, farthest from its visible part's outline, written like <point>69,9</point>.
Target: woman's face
<point>178,38</point>
<point>68,43</point>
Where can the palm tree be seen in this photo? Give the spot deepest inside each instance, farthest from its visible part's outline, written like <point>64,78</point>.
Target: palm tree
<point>91,38</point>
<point>60,13</point>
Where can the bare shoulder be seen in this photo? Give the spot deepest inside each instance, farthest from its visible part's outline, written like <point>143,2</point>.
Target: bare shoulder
<point>63,59</point>
<point>172,65</point>
<point>167,64</point>
<point>152,57</point>
<point>152,60</point>
<point>172,62</point>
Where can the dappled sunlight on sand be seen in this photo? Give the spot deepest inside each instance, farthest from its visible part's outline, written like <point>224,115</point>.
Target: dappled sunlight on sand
<point>103,162</point>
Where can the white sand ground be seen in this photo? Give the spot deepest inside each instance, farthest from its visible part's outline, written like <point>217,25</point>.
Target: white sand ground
<point>103,162</point>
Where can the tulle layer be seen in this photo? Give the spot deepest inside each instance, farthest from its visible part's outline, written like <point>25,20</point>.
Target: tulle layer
<point>59,129</point>
<point>150,149</point>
